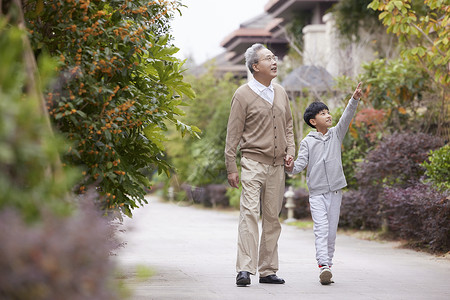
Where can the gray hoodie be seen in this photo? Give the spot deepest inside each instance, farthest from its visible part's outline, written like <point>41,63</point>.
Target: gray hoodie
<point>322,155</point>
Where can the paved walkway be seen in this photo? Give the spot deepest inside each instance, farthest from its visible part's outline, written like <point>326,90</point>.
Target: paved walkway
<point>193,251</point>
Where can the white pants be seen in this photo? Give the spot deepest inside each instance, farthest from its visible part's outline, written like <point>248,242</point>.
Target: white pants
<point>325,209</point>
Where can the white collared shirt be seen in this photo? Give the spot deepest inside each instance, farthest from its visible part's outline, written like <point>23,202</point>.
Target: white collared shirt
<point>265,92</point>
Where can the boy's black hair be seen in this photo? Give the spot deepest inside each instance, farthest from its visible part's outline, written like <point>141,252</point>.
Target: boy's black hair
<point>312,110</point>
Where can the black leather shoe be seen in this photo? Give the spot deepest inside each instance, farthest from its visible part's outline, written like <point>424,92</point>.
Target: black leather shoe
<point>243,278</point>
<point>271,279</point>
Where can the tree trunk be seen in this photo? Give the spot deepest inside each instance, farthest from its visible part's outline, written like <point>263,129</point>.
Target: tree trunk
<point>33,88</point>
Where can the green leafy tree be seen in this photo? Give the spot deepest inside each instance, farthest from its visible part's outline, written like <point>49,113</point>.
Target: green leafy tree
<point>118,87</point>
<point>351,15</point>
<point>438,167</point>
<point>209,151</point>
<point>399,88</point>
<point>31,177</point>
<point>54,245</point>
<point>425,38</point>
<point>294,31</point>
<point>201,161</point>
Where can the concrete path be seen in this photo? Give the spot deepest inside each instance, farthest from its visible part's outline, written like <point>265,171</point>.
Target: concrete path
<point>193,251</point>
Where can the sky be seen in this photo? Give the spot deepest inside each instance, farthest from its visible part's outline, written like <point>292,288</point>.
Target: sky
<point>205,23</point>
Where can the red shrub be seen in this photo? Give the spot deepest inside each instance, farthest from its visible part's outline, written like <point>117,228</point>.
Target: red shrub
<point>420,214</point>
<point>396,160</point>
<point>390,190</point>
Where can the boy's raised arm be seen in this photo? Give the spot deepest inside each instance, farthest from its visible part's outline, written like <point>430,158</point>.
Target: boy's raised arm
<point>347,115</point>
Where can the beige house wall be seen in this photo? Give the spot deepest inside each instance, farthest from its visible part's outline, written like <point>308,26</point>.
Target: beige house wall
<point>322,47</point>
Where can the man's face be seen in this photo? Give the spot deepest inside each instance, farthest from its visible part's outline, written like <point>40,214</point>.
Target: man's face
<point>267,64</point>
<point>322,120</point>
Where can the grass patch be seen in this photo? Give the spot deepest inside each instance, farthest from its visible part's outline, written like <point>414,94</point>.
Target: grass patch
<point>143,273</point>
<point>368,235</point>
<point>302,224</point>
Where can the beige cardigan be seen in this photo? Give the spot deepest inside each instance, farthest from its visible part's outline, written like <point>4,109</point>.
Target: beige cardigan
<point>263,131</point>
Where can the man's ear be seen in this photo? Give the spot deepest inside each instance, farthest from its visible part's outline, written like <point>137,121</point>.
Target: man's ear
<point>255,67</point>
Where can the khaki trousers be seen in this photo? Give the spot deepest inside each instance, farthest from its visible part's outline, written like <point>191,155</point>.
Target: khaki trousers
<point>266,183</point>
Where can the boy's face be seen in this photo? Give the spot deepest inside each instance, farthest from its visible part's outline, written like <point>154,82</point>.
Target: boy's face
<point>322,119</point>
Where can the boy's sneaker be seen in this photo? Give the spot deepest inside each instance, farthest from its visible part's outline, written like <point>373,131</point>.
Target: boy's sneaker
<point>325,275</point>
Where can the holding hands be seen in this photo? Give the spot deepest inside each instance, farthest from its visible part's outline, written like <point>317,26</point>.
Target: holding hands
<point>289,163</point>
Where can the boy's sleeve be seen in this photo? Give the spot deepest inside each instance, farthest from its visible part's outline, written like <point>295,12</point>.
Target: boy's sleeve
<point>346,118</point>
<point>302,158</point>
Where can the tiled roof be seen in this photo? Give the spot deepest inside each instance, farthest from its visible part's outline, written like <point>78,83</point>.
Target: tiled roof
<point>285,8</point>
<point>260,29</point>
<point>245,32</point>
<point>260,26</point>
<point>312,77</point>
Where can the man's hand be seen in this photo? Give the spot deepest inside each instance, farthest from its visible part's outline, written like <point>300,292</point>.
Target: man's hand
<point>289,163</point>
<point>357,94</point>
<point>233,180</point>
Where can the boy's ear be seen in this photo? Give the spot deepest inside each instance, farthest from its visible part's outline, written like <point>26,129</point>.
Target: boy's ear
<point>313,122</point>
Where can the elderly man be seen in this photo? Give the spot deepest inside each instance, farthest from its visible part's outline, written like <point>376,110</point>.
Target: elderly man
<point>260,122</point>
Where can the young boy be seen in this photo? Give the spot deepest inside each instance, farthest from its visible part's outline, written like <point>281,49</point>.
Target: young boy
<point>320,152</point>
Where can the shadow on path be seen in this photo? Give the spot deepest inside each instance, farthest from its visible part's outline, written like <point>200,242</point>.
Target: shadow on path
<point>193,253</point>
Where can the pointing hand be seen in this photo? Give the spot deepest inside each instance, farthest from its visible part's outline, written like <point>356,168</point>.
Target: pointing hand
<point>357,94</point>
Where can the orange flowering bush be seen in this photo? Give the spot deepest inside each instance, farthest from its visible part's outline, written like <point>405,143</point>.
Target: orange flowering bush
<point>371,122</point>
<point>118,86</point>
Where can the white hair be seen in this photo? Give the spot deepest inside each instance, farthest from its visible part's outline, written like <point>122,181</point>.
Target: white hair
<point>251,55</point>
